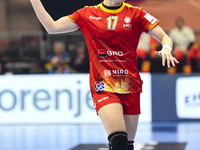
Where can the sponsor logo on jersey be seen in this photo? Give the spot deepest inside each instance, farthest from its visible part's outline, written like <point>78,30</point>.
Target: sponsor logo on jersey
<point>104,53</point>
<point>150,18</point>
<point>127,19</point>
<point>107,73</point>
<point>103,99</point>
<point>115,73</point>
<point>115,53</point>
<point>127,26</point>
<point>96,18</point>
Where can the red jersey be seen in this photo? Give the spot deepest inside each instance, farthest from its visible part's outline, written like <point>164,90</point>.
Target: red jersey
<point>112,37</point>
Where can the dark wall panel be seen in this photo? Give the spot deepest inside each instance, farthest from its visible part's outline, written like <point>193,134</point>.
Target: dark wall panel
<point>164,97</point>
<point>59,8</point>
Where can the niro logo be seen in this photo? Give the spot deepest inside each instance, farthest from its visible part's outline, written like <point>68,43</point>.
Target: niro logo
<point>115,73</point>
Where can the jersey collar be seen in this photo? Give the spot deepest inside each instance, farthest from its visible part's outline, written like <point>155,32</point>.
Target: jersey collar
<point>112,11</point>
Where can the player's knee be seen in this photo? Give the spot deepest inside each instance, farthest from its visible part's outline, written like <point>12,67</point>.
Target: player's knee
<point>118,141</point>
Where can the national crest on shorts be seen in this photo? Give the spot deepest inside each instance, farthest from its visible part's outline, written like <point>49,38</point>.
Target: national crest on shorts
<point>127,19</point>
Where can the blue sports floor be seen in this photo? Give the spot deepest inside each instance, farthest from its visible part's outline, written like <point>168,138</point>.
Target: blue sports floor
<point>66,137</point>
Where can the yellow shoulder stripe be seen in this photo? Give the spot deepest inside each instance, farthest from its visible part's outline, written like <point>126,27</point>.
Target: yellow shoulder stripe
<point>113,11</point>
<point>95,6</point>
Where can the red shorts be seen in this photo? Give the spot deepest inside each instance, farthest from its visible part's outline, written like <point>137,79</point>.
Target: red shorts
<point>130,102</point>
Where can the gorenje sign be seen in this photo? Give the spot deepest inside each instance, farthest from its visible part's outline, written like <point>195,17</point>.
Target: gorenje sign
<point>46,99</point>
<point>43,99</point>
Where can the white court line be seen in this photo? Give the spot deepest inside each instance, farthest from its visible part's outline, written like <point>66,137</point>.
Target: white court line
<point>139,146</point>
<point>149,147</point>
<point>102,149</point>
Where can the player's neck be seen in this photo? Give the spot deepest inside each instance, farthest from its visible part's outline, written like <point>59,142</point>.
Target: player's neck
<point>111,7</point>
<point>111,3</point>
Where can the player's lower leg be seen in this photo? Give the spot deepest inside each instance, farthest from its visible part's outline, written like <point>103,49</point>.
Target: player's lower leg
<point>130,145</point>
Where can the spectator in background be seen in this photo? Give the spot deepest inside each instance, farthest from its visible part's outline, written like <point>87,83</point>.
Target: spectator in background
<point>80,60</point>
<point>182,35</point>
<point>183,38</point>
<point>58,60</point>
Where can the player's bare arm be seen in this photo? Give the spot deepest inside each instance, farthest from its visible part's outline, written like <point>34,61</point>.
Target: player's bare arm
<point>63,25</point>
<point>158,33</point>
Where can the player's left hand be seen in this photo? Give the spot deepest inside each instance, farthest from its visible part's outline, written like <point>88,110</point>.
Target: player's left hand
<point>167,57</point>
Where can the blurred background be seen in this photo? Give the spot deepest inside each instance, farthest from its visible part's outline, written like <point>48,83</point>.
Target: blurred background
<point>45,100</point>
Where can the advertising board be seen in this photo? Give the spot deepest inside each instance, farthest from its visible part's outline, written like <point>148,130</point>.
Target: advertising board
<point>55,99</point>
<point>188,97</point>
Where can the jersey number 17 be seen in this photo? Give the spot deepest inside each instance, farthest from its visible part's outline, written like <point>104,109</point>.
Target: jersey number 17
<point>112,22</point>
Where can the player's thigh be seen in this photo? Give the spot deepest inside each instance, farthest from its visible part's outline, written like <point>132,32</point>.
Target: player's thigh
<point>112,117</point>
<point>131,108</point>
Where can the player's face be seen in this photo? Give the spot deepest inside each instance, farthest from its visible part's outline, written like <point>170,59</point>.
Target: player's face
<point>119,1</point>
<point>114,1</point>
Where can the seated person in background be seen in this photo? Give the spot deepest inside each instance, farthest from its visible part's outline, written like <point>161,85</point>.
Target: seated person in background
<point>80,60</point>
<point>183,38</point>
<point>59,59</point>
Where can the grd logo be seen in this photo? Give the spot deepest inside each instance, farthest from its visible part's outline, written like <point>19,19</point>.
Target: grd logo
<point>104,53</point>
<point>115,53</point>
